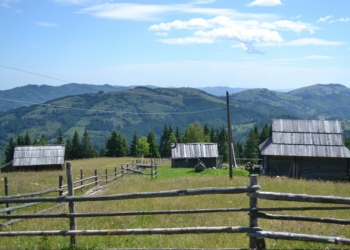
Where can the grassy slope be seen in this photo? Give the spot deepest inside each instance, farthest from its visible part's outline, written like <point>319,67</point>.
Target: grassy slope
<point>173,179</point>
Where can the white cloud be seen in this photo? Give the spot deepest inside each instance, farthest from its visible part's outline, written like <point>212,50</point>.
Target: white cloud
<point>44,24</point>
<point>146,12</point>
<point>317,57</point>
<point>6,3</point>
<point>162,34</point>
<point>344,19</point>
<point>323,19</point>
<point>312,41</point>
<point>265,3</point>
<point>289,25</point>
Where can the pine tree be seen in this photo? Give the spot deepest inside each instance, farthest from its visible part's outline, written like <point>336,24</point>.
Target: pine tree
<point>153,147</point>
<point>133,144</point>
<point>9,151</point>
<point>76,148</point>
<point>251,147</point>
<point>125,148</point>
<point>59,139</point>
<point>172,139</point>
<point>86,149</point>
<point>163,141</point>
<point>114,145</point>
<point>178,135</point>
<point>20,140</point>
<point>27,140</point>
<point>222,141</point>
<point>265,133</point>
<point>68,150</point>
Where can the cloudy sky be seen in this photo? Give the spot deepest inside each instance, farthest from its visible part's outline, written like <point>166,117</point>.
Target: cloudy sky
<point>274,44</point>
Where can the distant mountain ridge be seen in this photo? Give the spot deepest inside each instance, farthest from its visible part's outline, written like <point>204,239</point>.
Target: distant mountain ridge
<point>143,109</point>
<point>31,94</point>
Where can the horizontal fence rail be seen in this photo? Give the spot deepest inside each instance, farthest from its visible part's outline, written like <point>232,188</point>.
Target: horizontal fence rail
<point>256,234</point>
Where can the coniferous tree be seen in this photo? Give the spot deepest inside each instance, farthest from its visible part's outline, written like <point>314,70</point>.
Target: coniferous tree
<point>133,144</point>
<point>163,141</point>
<point>222,141</point>
<point>265,133</point>
<point>59,139</point>
<point>27,140</point>
<point>20,140</point>
<point>114,145</point>
<point>68,150</point>
<point>153,147</point>
<point>172,139</point>
<point>125,148</point>
<point>87,151</point>
<point>251,147</point>
<point>178,135</point>
<point>9,151</point>
<point>76,148</point>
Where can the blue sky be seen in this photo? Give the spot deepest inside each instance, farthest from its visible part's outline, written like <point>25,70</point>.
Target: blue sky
<point>274,44</point>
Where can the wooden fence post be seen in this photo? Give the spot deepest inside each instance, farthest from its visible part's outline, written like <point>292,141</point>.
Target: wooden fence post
<point>60,184</point>
<point>151,172</point>
<point>122,170</point>
<point>81,177</point>
<point>115,173</point>
<point>72,220</point>
<point>254,243</point>
<point>106,175</point>
<point>7,193</point>
<point>96,178</point>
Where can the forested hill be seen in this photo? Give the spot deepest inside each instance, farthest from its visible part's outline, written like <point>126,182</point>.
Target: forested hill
<point>26,95</point>
<point>142,109</point>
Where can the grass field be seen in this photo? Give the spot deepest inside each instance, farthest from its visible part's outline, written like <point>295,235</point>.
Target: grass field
<point>172,179</point>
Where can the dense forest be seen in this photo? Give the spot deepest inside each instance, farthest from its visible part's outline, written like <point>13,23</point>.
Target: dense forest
<point>116,145</point>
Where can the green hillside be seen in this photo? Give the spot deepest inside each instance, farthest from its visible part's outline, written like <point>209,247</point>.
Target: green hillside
<point>142,109</point>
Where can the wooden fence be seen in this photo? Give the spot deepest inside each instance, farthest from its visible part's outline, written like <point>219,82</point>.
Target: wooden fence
<point>256,234</point>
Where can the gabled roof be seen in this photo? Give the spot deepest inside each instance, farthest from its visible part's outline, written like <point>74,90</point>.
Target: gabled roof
<point>194,150</point>
<point>38,155</point>
<point>314,138</point>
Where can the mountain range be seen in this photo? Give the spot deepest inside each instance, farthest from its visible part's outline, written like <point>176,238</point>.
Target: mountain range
<point>43,110</point>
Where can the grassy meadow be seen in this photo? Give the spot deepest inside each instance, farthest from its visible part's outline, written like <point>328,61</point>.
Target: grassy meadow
<point>170,179</point>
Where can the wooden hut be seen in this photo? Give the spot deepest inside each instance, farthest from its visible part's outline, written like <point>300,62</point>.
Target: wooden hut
<point>36,158</point>
<point>310,149</point>
<point>188,155</point>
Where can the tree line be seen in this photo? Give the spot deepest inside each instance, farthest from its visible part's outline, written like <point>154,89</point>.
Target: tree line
<point>116,145</point>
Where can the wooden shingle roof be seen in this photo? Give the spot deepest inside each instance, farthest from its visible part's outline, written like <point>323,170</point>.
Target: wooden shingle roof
<point>194,150</point>
<point>314,138</point>
<point>39,155</point>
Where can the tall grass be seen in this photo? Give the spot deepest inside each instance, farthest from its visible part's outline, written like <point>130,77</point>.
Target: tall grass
<point>173,179</point>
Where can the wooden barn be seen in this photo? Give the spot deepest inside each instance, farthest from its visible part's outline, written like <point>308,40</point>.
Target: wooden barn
<point>310,149</point>
<point>186,155</point>
<point>36,158</point>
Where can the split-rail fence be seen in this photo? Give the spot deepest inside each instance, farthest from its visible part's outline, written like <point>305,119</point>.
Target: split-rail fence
<point>256,234</point>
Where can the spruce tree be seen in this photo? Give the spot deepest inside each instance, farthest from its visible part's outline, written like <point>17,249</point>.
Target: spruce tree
<point>76,148</point>
<point>59,139</point>
<point>133,144</point>
<point>178,135</point>
<point>153,147</point>
<point>68,149</point>
<point>86,149</point>
<point>163,141</point>
<point>9,151</point>
<point>27,140</point>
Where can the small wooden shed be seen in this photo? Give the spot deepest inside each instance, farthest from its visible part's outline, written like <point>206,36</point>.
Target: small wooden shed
<point>37,158</point>
<point>310,149</point>
<point>186,155</point>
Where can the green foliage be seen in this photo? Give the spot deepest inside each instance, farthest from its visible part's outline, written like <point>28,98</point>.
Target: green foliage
<point>59,139</point>
<point>115,145</point>
<point>9,151</point>
<point>142,147</point>
<point>153,147</point>
<point>194,133</point>
<point>133,144</point>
